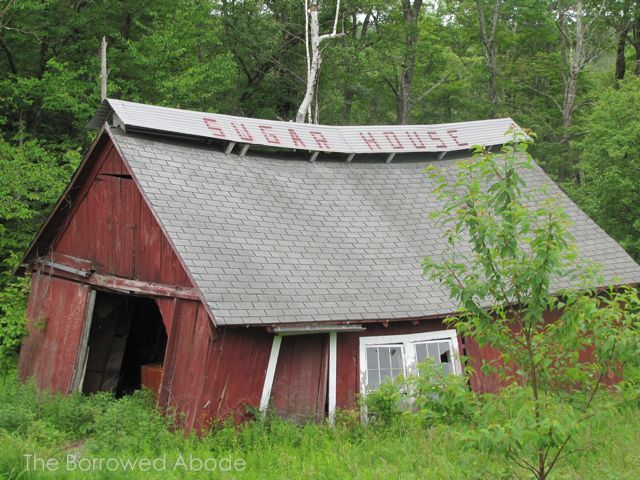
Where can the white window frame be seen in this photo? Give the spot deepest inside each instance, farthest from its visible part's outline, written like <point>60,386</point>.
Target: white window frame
<point>408,343</point>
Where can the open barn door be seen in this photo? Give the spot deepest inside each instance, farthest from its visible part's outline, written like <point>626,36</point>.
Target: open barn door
<point>126,333</point>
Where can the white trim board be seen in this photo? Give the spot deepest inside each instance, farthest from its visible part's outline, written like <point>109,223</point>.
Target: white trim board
<point>333,371</point>
<point>271,373</point>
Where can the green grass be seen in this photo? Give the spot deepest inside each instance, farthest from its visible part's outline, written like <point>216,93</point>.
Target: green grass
<point>52,426</point>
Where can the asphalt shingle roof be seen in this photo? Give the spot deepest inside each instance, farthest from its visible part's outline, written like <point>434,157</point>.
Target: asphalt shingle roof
<point>271,241</point>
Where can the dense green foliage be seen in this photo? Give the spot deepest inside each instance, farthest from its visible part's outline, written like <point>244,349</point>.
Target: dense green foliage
<point>101,427</point>
<point>611,161</point>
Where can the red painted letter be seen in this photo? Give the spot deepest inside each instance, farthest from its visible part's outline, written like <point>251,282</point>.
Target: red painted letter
<point>454,135</point>
<point>415,139</point>
<point>244,134</point>
<point>434,136</point>
<point>297,141</point>
<point>270,137</point>
<point>320,140</point>
<point>393,140</point>
<point>211,125</point>
<point>370,141</point>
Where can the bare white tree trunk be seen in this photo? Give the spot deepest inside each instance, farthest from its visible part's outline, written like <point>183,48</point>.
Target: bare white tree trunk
<point>103,69</point>
<point>316,39</point>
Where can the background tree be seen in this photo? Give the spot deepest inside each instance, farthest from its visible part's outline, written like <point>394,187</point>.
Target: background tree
<point>313,41</point>
<point>488,34</point>
<point>611,162</point>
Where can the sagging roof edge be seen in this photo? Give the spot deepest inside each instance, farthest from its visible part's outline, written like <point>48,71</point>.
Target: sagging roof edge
<point>57,217</point>
<point>425,318</point>
<point>291,136</point>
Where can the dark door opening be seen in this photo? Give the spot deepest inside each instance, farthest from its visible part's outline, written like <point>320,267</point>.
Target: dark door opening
<point>126,333</point>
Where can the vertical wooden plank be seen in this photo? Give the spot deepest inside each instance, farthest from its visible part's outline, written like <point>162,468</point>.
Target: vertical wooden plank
<point>347,368</point>
<point>166,305</point>
<point>300,383</point>
<point>37,312</point>
<point>169,363</point>
<point>181,380</point>
<point>51,352</point>
<point>148,248</point>
<point>235,374</point>
<point>197,365</point>
<point>113,227</point>
<point>83,348</point>
<point>122,218</point>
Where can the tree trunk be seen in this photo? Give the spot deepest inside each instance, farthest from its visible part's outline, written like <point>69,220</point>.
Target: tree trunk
<point>621,66</point>
<point>488,34</point>
<point>316,60</point>
<point>636,42</point>
<point>316,57</point>
<point>411,14</point>
<point>576,63</point>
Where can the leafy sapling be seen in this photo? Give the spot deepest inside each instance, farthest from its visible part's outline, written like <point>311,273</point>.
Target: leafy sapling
<point>510,262</point>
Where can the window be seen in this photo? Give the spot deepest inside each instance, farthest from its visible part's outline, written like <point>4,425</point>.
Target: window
<point>384,358</point>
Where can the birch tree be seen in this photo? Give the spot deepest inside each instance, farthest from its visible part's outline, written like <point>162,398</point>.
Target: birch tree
<point>578,48</point>
<point>313,41</point>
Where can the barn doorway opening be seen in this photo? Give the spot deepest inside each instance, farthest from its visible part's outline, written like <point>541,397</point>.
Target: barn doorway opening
<point>126,335</point>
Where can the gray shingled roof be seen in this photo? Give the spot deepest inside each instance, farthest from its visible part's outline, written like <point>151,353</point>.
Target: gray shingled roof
<point>272,241</point>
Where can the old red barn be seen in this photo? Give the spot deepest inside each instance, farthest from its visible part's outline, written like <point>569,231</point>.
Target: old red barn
<point>228,262</point>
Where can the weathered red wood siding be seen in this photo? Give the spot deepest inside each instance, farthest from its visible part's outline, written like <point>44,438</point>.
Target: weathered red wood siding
<point>55,313</point>
<point>207,374</point>
<point>299,389</point>
<point>348,354</point>
<point>479,355</point>
<point>207,378</point>
<point>112,226</point>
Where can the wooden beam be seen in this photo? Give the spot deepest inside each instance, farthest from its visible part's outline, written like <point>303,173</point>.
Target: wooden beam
<point>271,373</point>
<point>229,148</point>
<point>64,268</point>
<point>244,150</point>
<point>307,329</point>
<point>390,157</point>
<point>80,366</point>
<point>350,157</point>
<point>441,156</point>
<point>313,157</point>
<point>113,283</point>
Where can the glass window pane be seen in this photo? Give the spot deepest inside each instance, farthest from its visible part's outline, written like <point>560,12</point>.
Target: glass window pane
<point>448,368</point>
<point>373,380</point>
<point>445,352</point>
<point>432,349</point>
<point>396,357</point>
<point>385,375</point>
<point>385,360</point>
<point>372,358</point>
<point>421,352</point>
